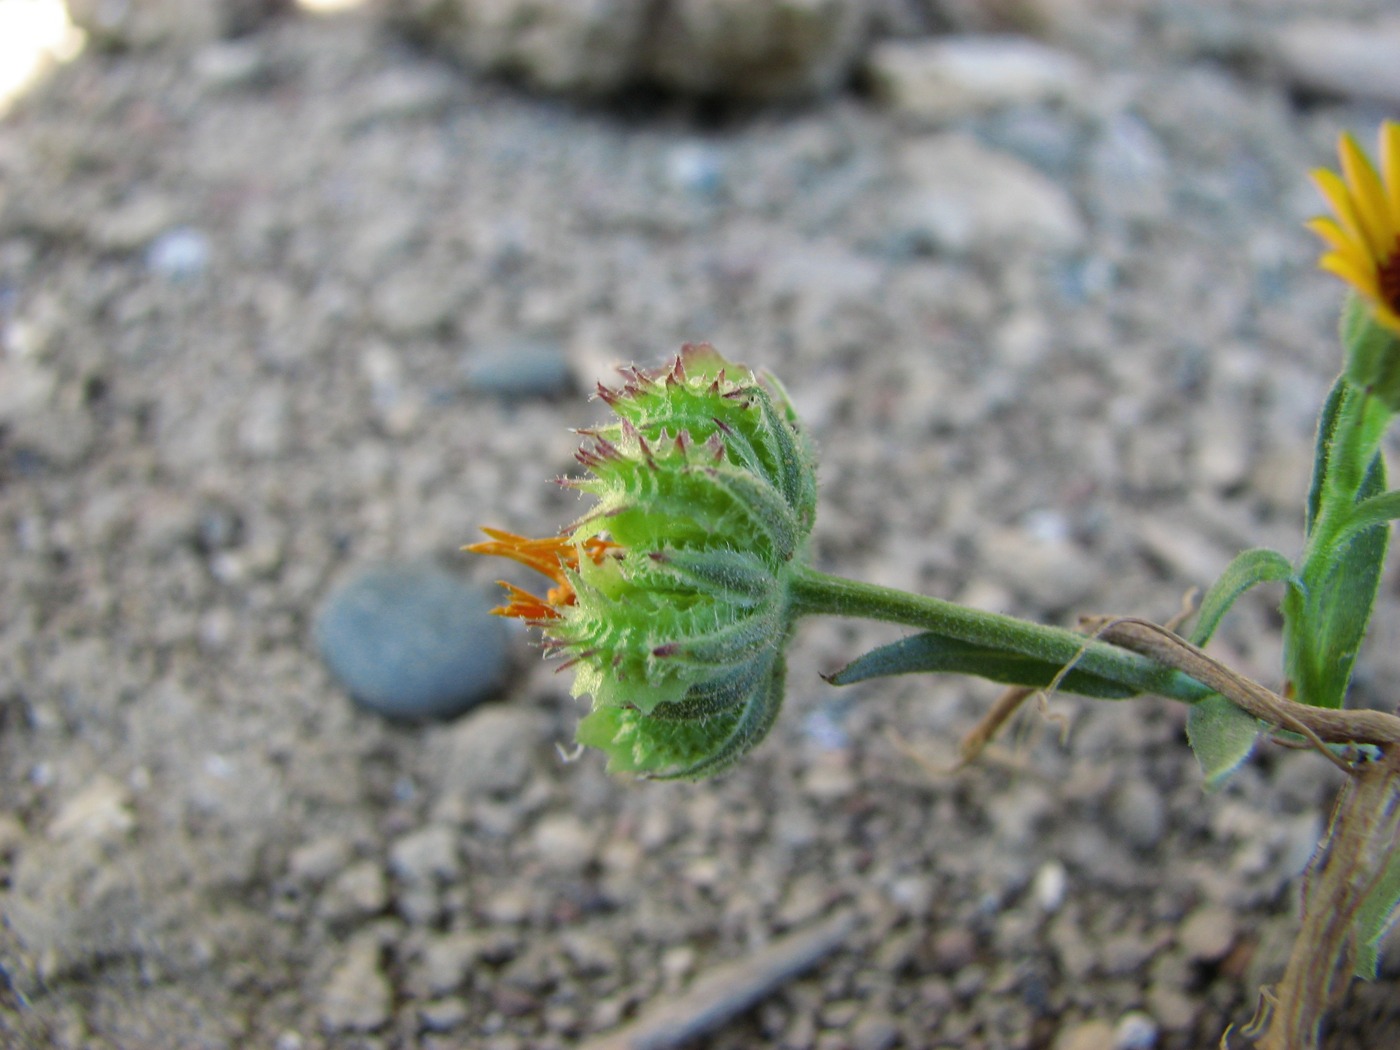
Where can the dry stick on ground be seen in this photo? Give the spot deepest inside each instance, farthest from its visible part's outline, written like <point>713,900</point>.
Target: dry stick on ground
<point>728,990</point>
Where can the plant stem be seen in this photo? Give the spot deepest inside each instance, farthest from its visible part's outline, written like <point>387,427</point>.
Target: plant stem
<point>818,593</point>
<point>1350,862</point>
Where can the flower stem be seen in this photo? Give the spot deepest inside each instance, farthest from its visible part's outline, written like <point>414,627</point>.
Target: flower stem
<point>818,593</point>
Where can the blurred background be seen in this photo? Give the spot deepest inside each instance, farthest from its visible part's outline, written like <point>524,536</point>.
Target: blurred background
<point>294,297</point>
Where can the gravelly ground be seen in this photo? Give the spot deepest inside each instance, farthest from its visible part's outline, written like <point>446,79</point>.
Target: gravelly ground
<point>204,844</point>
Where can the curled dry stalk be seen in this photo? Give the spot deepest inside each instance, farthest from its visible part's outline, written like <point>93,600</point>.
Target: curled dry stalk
<point>1361,841</point>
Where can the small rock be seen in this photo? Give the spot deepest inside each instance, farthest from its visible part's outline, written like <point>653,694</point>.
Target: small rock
<point>760,50</point>
<point>101,812</point>
<point>1053,573</point>
<point>829,777</point>
<point>1049,886</point>
<point>1138,814</point>
<point>1128,171</point>
<point>1208,934</point>
<point>963,197</point>
<point>1135,1031</point>
<point>488,753</point>
<point>941,79</point>
<point>133,223</point>
<point>416,301</point>
<point>953,949</point>
<point>695,168</point>
<point>564,843</point>
<point>527,369</point>
<point>873,1032</point>
<point>264,428</point>
<point>318,860</point>
<point>1088,1035</point>
<point>179,255</point>
<point>1172,1008</point>
<point>446,961</point>
<point>1341,58</point>
<point>443,1015</point>
<point>357,997</point>
<point>231,64</point>
<point>404,94</point>
<point>555,45</point>
<point>425,856</point>
<point>409,640</point>
<point>358,891</point>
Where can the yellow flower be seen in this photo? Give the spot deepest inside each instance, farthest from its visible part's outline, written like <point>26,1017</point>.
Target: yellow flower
<point>1364,237</point>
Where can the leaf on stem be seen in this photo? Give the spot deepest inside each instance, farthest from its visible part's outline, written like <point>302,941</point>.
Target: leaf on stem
<point>1335,596</point>
<point>1222,737</point>
<point>931,653</point>
<point>1248,569</point>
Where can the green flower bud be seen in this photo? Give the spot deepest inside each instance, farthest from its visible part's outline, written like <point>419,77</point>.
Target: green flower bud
<point>676,619</point>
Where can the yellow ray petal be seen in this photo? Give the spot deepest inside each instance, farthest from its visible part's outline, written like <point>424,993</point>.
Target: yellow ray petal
<point>1362,278</point>
<point>1390,166</point>
<point>1332,187</point>
<point>1333,234</point>
<point>1367,194</point>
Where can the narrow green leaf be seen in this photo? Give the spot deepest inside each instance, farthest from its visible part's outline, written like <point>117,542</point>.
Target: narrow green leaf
<point>1379,912</point>
<point>1222,737</point>
<point>1378,510</point>
<point>1326,431</point>
<point>1248,569</point>
<point>1328,610</point>
<point>936,654</point>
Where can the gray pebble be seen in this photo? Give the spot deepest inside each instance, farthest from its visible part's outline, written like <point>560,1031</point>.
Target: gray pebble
<point>425,855</point>
<point>410,640</point>
<point>1135,1031</point>
<point>517,370</point>
<point>357,997</point>
<point>179,255</point>
<point>1139,814</point>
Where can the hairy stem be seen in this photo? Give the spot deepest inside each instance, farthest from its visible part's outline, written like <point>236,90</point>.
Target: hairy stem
<point>817,593</point>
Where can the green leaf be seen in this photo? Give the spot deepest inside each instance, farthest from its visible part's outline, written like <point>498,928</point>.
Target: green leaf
<point>1248,569</point>
<point>1327,611</point>
<point>1378,510</point>
<point>1377,915</point>
<point>1326,433</point>
<point>931,653</point>
<point>1222,737</point>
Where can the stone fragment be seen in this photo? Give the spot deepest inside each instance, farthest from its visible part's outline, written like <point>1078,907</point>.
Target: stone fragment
<point>941,79</point>
<point>747,49</point>
<point>488,753</point>
<point>584,46</point>
<point>1337,57</point>
<point>962,197</point>
<point>520,369</point>
<point>1138,814</point>
<point>425,856</point>
<point>357,997</point>
<point>356,892</point>
<point>1087,1035</point>
<point>1208,933</point>
<point>762,50</point>
<point>101,812</point>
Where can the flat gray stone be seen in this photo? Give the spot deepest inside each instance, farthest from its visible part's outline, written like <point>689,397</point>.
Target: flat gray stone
<point>410,640</point>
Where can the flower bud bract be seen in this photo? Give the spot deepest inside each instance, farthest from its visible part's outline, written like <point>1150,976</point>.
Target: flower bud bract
<point>673,603</point>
